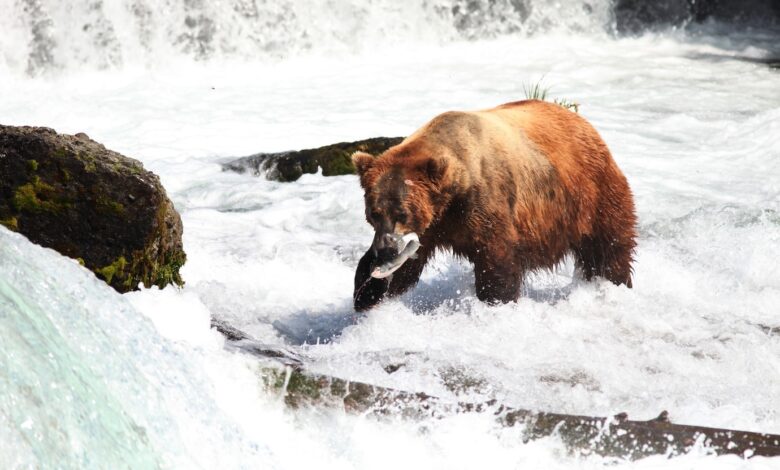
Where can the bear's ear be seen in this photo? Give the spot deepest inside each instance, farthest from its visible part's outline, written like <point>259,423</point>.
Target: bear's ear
<point>362,162</point>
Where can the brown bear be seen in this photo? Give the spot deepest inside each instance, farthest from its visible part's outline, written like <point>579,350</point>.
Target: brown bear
<point>512,189</point>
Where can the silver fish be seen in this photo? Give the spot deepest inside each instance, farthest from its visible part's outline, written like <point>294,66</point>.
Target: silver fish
<point>411,245</point>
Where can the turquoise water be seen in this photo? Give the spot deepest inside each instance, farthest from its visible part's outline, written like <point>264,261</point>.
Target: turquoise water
<point>87,382</point>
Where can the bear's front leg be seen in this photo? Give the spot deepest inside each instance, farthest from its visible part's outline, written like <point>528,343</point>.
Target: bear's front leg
<point>368,290</point>
<point>408,275</point>
<point>497,279</point>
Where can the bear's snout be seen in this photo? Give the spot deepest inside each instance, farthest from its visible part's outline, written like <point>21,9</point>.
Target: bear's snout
<point>385,246</point>
<point>385,255</point>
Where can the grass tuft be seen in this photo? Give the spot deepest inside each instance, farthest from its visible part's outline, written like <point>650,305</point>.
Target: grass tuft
<point>570,105</point>
<point>535,91</point>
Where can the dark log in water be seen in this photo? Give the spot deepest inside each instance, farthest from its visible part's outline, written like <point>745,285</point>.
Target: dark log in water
<point>582,435</point>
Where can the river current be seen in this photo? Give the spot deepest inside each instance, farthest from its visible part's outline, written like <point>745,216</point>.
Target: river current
<point>94,379</point>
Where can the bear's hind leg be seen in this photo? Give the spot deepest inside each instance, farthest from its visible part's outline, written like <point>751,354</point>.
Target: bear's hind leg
<point>603,257</point>
<point>608,254</point>
<point>497,280</point>
<point>609,250</point>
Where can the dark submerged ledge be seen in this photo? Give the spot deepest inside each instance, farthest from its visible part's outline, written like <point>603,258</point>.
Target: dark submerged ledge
<point>334,159</point>
<point>616,437</point>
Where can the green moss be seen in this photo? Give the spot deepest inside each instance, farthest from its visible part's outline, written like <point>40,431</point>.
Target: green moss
<point>168,272</point>
<point>146,265</point>
<point>145,269</point>
<point>161,272</point>
<point>81,261</point>
<point>115,269</point>
<point>134,168</point>
<point>26,199</point>
<point>127,167</point>
<point>10,223</point>
<point>301,388</point>
<point>107,206</point>
<point>88,160</point>
<point>32,165</point>
<point>304,386</point>
<point>273,378</point>
<point>37,196</point>
<point>339,163</point>
<point>116,207</point>
<point>60,152</point>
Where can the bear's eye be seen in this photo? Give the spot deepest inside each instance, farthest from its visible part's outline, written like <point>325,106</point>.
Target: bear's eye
<point>401,217</point>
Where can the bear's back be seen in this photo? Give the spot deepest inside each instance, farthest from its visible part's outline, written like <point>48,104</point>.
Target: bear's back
<point>519,129</point>
<point>480,142</point>
<point>581,159</point>
<point>565,138</point>
<point>538,156</point>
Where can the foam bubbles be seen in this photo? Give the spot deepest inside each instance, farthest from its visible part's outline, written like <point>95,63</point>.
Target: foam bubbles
<point>695,336</point>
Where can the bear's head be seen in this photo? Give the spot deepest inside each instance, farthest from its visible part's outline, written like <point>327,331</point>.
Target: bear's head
<point>402,196</point>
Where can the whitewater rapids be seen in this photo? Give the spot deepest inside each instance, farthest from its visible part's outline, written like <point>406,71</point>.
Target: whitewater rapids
<point>94,379</point>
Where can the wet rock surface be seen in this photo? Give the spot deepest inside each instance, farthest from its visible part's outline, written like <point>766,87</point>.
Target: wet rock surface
<point>288,166</point>
<point>637,16</point>
<point>71,194</point>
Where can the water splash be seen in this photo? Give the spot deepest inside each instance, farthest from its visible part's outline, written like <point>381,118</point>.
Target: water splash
<point>42,36</point>
<point>87,382</point>
<point>47,36</point>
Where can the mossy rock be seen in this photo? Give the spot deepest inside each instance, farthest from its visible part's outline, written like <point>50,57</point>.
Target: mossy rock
<point>334,159</point>
<point>72,194</point>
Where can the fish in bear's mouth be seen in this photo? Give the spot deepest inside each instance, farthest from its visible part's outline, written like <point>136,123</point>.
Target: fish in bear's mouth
<point>408,245</point>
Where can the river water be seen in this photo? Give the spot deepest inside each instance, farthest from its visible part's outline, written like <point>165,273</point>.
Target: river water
<point>94,379</point>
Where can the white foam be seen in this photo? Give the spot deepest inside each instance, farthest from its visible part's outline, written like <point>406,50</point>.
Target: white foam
<point>49,37</point>
<point>702,157</point>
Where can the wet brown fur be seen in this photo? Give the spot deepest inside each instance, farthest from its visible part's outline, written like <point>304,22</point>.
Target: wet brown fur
<point>512,188</point>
